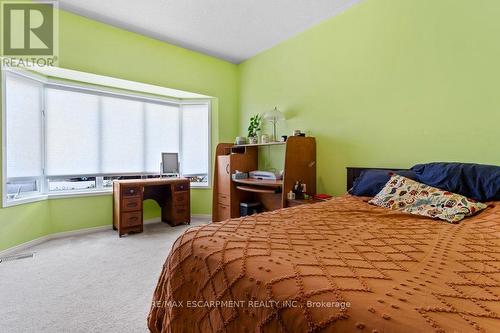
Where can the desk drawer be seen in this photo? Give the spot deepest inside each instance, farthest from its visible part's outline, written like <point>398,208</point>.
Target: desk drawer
<point>131,191</point>
<point>180,213</point>
<point>131,219</point>
<point>181,198</point>
<point>224,199</point>
<point>181,187</point>
<point>130,204</point>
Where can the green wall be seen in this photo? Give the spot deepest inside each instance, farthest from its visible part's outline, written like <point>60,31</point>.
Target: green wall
<point>90,46</point>
<point>387,83</point>
<point>23,223</point>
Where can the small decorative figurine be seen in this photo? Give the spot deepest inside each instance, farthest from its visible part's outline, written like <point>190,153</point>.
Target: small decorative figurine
<point>297,189</point>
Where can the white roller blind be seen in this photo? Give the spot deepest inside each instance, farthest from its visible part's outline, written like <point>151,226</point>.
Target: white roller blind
<point>23,100</point>
<point>122,135</point>
<point>195,139</point>
<point>85,132</point>
<point>72,123</point>
<point>162,133</point>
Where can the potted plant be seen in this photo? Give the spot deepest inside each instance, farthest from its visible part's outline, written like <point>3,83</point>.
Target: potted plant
<point>253,128</point>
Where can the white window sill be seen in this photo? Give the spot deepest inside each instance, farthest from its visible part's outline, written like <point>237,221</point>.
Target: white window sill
<point>201,186</point>
<point>22,201</point>
<point>59,195</point>
<point>76,194</point>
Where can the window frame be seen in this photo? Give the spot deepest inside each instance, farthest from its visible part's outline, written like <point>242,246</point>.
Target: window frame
<point>43,180</point>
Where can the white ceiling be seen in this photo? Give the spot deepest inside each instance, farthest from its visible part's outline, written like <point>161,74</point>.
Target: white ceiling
<point>234,30</point>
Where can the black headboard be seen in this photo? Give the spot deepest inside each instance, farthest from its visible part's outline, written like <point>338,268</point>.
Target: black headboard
<point>354,172</point>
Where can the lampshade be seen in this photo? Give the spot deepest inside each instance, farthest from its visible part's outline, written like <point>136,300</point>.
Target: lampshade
<point>274,115</point>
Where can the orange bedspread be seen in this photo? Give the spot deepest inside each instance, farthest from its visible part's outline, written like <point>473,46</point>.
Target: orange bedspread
<point>337,266</point>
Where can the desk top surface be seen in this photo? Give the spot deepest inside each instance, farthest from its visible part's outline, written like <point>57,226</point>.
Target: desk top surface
<point>151,181</point>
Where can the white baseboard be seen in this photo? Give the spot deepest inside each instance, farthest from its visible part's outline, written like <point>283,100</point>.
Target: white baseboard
<point>72,233</point>
<point>24,246</point>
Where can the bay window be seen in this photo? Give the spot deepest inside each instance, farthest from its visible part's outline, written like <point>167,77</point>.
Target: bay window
<point>65,139</point>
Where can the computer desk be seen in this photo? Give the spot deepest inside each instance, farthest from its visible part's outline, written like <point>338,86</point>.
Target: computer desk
<point>172,194</point>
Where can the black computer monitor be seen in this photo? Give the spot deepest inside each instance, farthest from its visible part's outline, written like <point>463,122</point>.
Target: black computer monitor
<point>170,163</point>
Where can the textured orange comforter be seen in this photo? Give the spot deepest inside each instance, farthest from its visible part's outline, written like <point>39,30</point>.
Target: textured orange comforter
<point>337,266</point>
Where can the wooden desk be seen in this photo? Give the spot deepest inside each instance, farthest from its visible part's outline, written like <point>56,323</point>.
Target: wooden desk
<point>172,194</point>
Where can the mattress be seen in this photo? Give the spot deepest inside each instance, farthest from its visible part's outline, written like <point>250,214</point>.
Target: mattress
<point>337,266</point>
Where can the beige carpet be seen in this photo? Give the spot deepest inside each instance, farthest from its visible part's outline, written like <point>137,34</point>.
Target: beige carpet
<point>90,283</point>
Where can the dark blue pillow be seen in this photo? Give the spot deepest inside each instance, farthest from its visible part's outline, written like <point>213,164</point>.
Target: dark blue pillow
<point>475,181</point>
<point>370,182</point>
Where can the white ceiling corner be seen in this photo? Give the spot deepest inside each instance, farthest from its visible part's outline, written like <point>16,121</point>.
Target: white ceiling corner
<point>233,30</point>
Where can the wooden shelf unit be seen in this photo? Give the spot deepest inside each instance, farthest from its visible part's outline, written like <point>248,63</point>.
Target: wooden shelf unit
<point>300,165</point>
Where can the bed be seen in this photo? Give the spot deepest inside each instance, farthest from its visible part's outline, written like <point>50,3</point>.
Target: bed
<point>337,266</point>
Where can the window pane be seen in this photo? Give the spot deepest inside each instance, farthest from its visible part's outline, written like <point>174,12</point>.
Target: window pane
<point>107,181</point>
<point>21,188</point>
<point>162,133</point>
<point>72,184</point>
<point>122,136</point>
<point>195,132</point>
<point>200,179</point>
<point>23,127</point>
<point>72,120</point>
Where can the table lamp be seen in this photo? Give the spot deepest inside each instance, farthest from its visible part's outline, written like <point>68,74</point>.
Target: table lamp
<point>273,117</point>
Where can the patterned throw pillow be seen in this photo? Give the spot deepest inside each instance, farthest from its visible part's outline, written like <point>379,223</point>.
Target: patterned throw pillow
<point>412,197</point>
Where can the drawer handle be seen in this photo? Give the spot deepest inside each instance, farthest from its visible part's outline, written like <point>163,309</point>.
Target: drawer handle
<point>133,218</point>
<point>227,169</point>
<point>133,204</point>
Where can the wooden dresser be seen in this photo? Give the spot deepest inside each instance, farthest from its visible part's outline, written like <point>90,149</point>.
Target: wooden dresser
<point>172,194</point>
